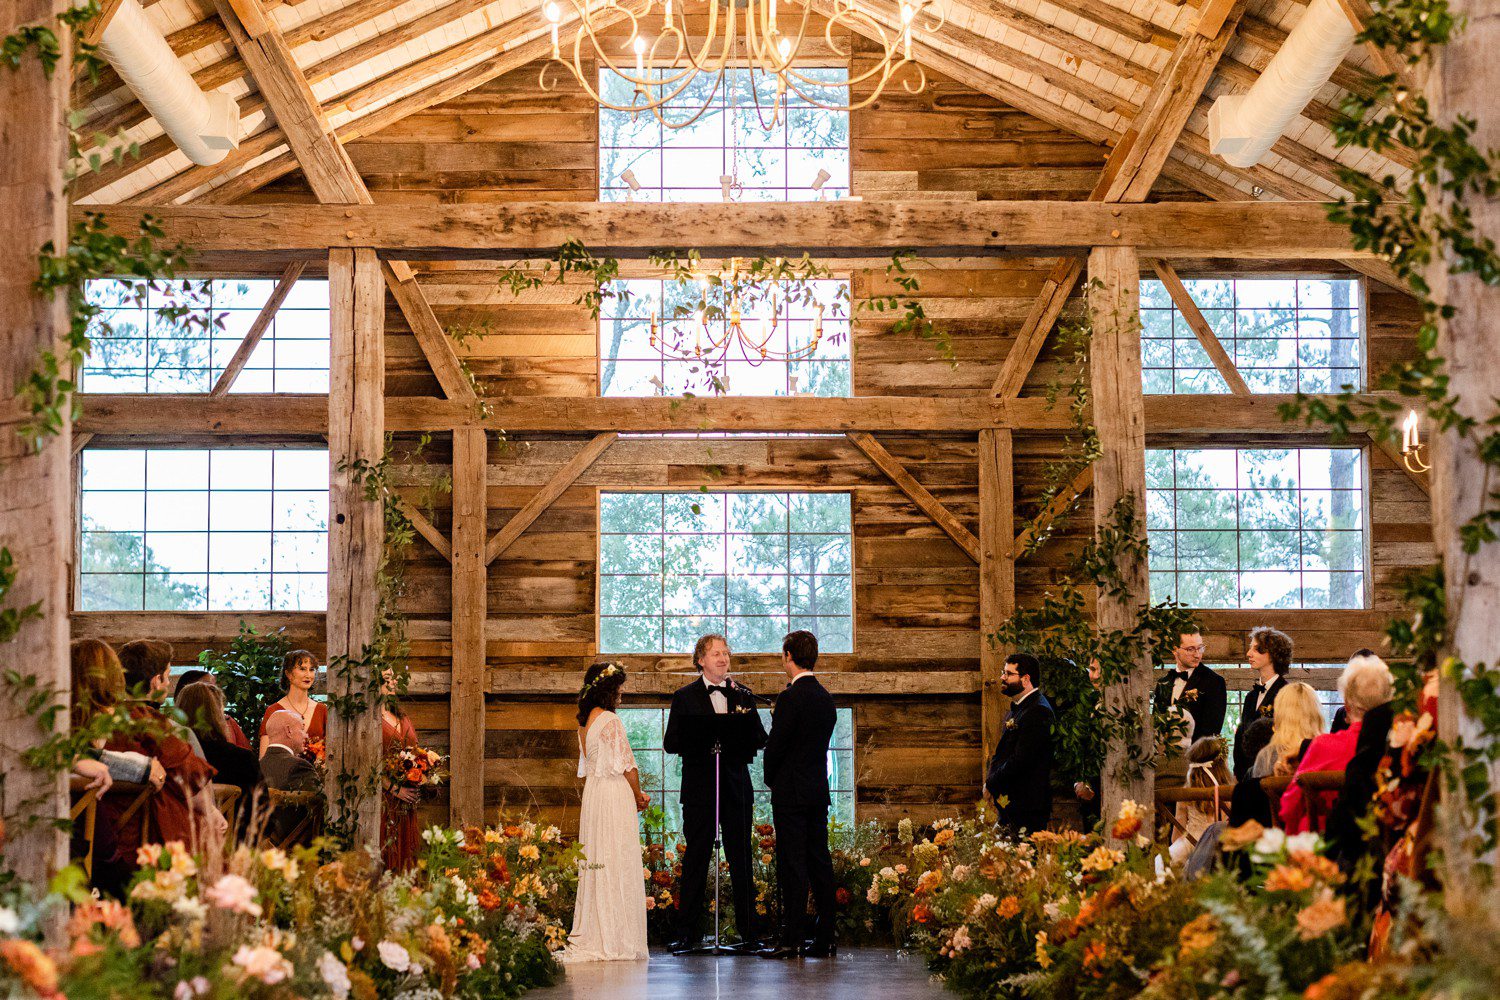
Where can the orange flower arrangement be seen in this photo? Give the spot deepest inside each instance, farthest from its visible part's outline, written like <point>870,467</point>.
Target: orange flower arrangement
<point>30,965</point>
<point>1284,878</point>
<point>413,767</point>
<point>921,913</point>
<point>1093,954</point>
<point>1009,907</point>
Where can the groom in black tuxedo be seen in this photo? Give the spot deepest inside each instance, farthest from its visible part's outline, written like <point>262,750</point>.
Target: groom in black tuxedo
<point>1021,769</point>
<point>1194,687</point>
<point>715,694</point>
<point>796,767</point>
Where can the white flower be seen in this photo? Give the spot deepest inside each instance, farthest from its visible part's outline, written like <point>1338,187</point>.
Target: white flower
<point>960,872</point>
<point>188,988</point>
<point>9,922</point>
<point>266,964</point>
<point>1309,842</point>
<point>357,943</point>
<point>393,956</point>
<point>1271,843</point>
<point>190,907</point>
<point>234,892</point>
<point>873,895</point>
<point>335,975</point>
<point>986,902</point>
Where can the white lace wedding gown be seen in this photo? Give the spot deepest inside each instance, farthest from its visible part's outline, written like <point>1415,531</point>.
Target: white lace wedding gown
<point>609,921</point>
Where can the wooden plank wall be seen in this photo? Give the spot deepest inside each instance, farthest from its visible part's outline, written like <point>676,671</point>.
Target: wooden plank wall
<point>916,592</point>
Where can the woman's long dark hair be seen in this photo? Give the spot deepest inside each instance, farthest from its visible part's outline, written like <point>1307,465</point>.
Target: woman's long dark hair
<point>601,689</point>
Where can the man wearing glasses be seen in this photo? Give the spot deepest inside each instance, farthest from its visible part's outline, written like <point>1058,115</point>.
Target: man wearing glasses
<point>1193,688</point>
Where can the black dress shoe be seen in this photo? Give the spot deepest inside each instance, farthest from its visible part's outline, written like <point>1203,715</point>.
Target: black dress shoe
<point>682,946</point>
<point>821,950</point>
<point>780,951</point>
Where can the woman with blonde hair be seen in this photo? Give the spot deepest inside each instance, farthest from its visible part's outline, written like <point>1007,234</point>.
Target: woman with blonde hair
<point>1296,718</point>
<point>1365,683</point>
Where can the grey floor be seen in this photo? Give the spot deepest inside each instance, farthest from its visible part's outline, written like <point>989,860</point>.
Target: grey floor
<point>855,974</point>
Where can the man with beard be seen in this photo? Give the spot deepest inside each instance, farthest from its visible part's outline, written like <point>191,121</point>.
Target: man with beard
<point>1020,773</point>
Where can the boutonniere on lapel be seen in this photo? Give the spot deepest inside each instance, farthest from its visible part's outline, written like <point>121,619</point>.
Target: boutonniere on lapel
<point>1010,724</point>
<point>741,710</point>
<point>1267,711</point>
<point>1188,695</point>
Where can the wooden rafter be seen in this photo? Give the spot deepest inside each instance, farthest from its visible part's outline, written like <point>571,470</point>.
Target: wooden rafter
<point>1391,64</point>
<point>466,699</point>
<point>547,495</point>
<point>1128,176</point>
<point>1056,507</point>
<point>426,528</point>
<point>258,328</point>
<point>332,174</point>
<point>95,29</point>
<point>1200,327</point>
<point>997,575</point>
<point>916,492</point>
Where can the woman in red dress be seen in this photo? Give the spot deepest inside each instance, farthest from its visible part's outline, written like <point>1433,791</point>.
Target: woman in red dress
<point>183,809</point>
<point>299,670</point>
<point>398,808</point>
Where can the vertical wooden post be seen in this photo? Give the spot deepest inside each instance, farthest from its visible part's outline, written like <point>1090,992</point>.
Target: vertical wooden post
<point>1119,414</point>
<point>356,531</point>
<point>1463,79</point>
<point>997,573</point>
<point>466,699</point>
<point>35,513</point>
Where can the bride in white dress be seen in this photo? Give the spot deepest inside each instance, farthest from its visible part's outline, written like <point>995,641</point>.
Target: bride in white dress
<point>609,920</point>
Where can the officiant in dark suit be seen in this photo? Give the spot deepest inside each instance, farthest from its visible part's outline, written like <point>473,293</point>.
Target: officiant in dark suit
<point>796,766</point>
<point>1021,769</point>
<point>1194,688</point>
<point>690,735</point>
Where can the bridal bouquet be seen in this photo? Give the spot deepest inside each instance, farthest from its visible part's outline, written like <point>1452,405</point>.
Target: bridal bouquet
<point>414,767</point>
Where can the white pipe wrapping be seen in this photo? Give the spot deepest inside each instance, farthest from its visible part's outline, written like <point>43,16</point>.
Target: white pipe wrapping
<point>1242,128</point>
<point>204,126</point>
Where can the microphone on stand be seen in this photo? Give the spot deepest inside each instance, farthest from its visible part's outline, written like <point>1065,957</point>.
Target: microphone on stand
<point>740,687</point>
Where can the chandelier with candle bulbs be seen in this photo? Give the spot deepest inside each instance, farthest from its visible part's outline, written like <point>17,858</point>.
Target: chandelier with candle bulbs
<point>661,63</point>
<point>738,294</point>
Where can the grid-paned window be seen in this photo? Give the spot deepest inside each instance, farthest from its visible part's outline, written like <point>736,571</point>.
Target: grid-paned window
<point>728,140</point>
<point>1257,527</point>
<point>179,337</point>
<point>631,365</point>
<point>1328,700</point>
<point>1283,334</point>
<point>231,529</point>
<point>661,772</point>
<point>750,566</point>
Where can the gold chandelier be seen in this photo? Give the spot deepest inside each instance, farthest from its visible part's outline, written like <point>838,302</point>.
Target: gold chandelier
<point>674,344</point>
<point>748,34</point>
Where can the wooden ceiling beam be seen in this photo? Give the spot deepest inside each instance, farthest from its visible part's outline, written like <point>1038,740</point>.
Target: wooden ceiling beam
<point>547,495</point>
<point>834,229</point>
<point>332,175</point>
<point>425,528</point>
<point>1201,328</point>
<point>1059,505</point>
<point>258,328</point>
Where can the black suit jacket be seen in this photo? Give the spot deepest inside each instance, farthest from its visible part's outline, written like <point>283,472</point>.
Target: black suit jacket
<point>796,762</point>
<point>1343,831</point>
<point>1244,757</point>
<point>1206,708</point>
<point>697,761</point>
<point>1021,769</point>
<point>286,772</point>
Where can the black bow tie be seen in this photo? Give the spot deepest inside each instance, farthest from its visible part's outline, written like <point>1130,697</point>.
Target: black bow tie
<point>721,688</point>
<point>1185,674</point>
<point>1259,688</point>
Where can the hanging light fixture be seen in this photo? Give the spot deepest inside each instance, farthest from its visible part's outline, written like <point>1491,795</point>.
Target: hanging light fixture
<point>699,342</point>
<point>1411,445</point>
<point>741,34</point>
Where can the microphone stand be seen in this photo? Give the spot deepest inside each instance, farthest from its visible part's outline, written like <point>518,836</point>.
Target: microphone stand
<point>718,862</point>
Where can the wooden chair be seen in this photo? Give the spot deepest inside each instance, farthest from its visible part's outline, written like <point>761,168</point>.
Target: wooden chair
<point>311,823</point>
<point>227,799</point>
<point>1312,784</point>
<point>1170,797</point>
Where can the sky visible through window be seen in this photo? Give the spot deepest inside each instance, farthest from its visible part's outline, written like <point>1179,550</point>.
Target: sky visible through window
<point>1257,527</point>
<point>179,337</point>
<point>186,530</point>
<point>750,566</point>
<point>779,164</point>
<point>1283,334</point>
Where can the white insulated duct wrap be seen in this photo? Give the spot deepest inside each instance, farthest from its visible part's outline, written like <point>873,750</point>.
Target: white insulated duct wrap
<point>204,126</point>
<point>1243,127</point>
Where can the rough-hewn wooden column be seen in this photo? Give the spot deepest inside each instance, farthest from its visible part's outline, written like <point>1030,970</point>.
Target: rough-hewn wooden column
<point>997,573</point>
<point>466,698</point>
<point>356,529</point>
<point>1119,413</point>
<point>1463,81</point>
<point>35,516</point>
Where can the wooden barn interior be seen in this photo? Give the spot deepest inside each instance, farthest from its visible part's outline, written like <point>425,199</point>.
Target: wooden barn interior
<point>1059,155</point>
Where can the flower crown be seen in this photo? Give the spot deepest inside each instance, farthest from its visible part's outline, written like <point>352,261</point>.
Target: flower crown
<point>611,669</point>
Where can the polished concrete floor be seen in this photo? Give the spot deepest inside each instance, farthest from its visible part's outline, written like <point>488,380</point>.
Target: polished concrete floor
<point>855,974</point>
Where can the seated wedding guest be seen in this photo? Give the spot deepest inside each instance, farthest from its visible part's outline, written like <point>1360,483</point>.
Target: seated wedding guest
<point>1364,684</point>
<point>1020,772</point>
<point>203,704</point>
<point>1249,801</point>
<point>1346,839</point>
<point>1206,768</point>
<point>283,768</point>
<point>183,809</point>
<point>148,675</point>
<point>1298,717</point>
<point>195,676</point>
<point>1270,655</point>
<point>298,670</point>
